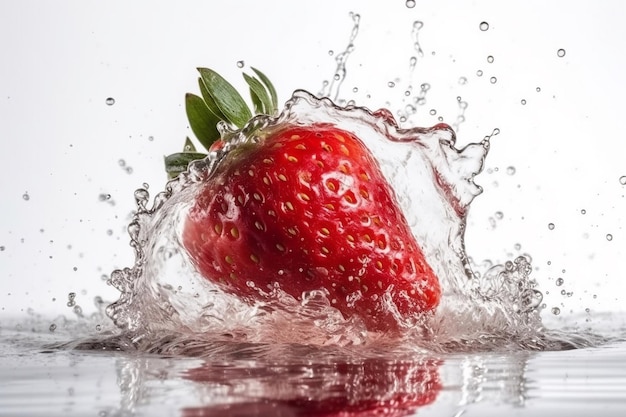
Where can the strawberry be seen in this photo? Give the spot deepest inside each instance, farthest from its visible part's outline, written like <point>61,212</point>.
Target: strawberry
<point>307,207</point>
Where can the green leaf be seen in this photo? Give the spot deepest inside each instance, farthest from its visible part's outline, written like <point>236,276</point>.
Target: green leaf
<point>203,123</point>
<point>208,100</point>
<point>258,105</point>
<point>270,87</point>
<point>227,99</point>
<point>261,94</point>
<point>178,162</point>
<point>189,146</point>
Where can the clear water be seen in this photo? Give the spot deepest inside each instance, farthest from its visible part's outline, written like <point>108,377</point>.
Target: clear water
<point>174,345</point>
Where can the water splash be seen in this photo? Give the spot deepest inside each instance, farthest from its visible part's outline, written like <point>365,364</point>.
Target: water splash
<point>165,305</point>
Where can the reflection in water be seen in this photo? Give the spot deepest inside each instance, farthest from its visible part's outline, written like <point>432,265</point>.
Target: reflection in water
<point>323,385</point>
<point>372,386</point>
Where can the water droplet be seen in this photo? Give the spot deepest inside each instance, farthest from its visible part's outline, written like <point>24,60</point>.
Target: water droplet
<point>98,327</point>
<point>151,138</point>
<point>551,226</point>
<point>583,211</point>
<point>129,170</point>
<point>490,59</point>
<point>559,282</point>
<point>517,246</point>
<point>2,248</point>
<point>52,327</point>
<point>560,53</point>
<point>556,311</point>
<point>26,196</point>
<point>391,84</point>
<point>240,64</point>
<point>462,80</point>
<point>538,89</point>
<point>622,180</point>
<point>510,170</point>
<point>523,102</point>
<point>410,4</point>
<point>355,90</point>
<point>493,80</point>
<point>609,237</point>
<point>499,215</point>
<point>432,112</point>
<point>110,101</point>
<point>104,197</point>
<point>479,73</point>
<point>484,26</point>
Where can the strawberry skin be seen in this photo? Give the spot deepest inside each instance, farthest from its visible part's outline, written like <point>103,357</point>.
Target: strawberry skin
<point>308,208</point>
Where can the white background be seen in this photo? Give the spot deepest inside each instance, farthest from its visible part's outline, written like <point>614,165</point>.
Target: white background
<point>62,145</point>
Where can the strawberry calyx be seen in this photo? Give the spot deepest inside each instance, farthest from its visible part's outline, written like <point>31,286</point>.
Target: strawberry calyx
<point>220,106</point>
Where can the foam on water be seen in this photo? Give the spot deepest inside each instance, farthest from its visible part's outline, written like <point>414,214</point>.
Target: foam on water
<point>166,306</point>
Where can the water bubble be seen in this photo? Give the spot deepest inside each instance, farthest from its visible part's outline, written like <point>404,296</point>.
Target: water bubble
<point>559,282</point>
<point>556,311</point>
<point>493,80</point>
<point>490,59</point>
<point>510,170</point>
<point>551,226</point>
<point>523,101</point>
<point>622,180</point>
<point>109,101</point>
<point>240,64</point>
<point>52,327</point>
<point>410,4</point>
<point>560,53</point>
<point>26,196</point>
<point>484,26</point>
<point>479,73</point>
<point>609,237</point>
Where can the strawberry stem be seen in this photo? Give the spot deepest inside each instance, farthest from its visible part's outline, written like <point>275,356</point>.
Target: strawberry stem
<point>220,102</point>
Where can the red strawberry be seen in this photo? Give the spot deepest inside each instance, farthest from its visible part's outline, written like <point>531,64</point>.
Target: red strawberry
<point>307,208</point>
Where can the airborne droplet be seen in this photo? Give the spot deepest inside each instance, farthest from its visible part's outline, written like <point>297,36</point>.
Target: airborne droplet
<point>110,101</point>
<point>484,26</point>
<point>560,53</point>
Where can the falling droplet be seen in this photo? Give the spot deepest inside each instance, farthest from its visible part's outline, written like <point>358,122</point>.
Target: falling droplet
<point>484,26</point>
<point>110,101</point>
<point>551,226</point>
<point>560,53</point>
